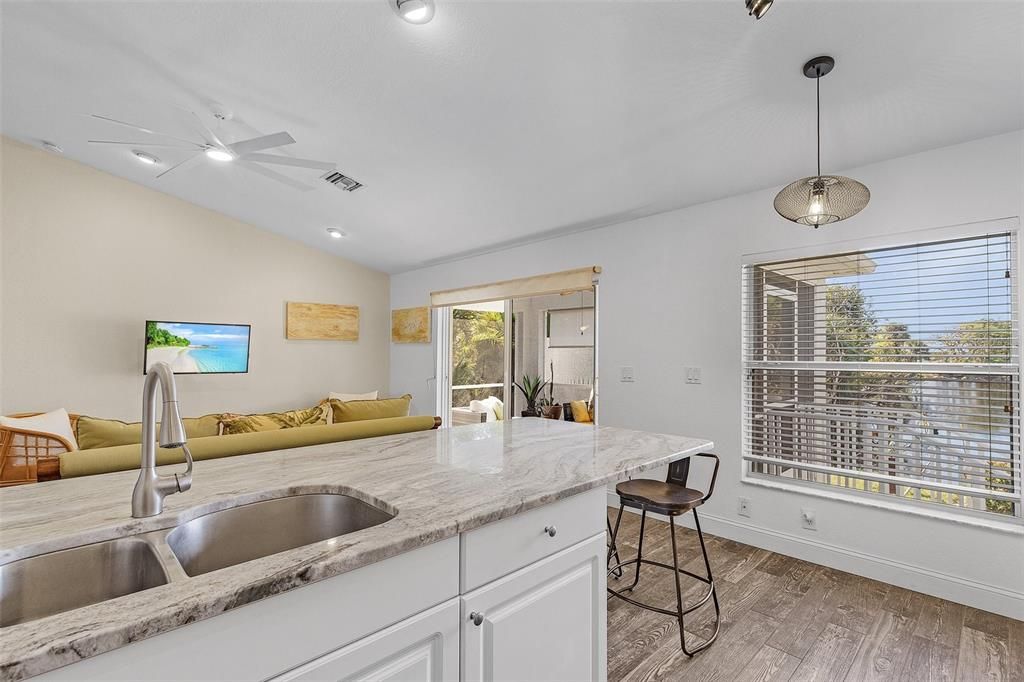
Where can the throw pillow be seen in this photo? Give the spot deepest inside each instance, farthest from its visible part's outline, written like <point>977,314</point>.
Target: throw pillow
<point>346,397</point>
<point>580,411</point>
<point>94,432</point>
<point>56,422</point>
<point>272,421</point>
<point>358,410</point>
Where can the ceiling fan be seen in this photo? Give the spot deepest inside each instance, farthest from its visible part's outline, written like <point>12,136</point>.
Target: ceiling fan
<point>246,153</point>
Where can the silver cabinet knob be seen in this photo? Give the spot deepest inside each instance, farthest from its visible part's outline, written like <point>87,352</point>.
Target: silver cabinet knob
<point>550,530</point>
<point>477,618</point>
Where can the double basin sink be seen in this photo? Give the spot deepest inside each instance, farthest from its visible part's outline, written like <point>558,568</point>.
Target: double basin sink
<point>60,581</point>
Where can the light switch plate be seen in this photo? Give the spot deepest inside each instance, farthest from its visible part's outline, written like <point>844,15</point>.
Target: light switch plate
<point>627,374</point>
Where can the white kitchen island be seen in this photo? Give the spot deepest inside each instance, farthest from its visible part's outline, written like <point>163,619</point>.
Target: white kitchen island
<point>492,568</point>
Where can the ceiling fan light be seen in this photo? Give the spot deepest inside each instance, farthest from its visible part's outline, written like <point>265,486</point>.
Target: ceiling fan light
<point>220,155</point>
<point>415,11</point>
<point>145,157</point>
<point>758,8</point>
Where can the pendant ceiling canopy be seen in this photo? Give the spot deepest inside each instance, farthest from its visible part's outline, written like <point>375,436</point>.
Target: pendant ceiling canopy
<point>821,199</point>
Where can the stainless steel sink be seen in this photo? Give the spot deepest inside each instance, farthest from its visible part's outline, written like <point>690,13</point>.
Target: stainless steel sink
<point>234,536</point>
<point>52,583</point>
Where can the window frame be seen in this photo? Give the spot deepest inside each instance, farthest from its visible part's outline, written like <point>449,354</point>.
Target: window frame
<point>1013,524</point>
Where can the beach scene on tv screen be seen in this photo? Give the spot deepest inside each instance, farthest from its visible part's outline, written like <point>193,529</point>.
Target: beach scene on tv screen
<point>191,348</point>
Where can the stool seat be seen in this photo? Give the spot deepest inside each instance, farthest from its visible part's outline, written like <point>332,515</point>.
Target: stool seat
<point>659,496</point>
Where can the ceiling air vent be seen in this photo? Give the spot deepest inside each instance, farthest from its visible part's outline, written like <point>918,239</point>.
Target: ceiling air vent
<point>341,181</point>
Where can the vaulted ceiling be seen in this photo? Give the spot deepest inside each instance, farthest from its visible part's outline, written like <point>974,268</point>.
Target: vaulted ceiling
<point>501,122</point>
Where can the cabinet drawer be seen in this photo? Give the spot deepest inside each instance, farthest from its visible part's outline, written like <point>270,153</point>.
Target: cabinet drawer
<point>505,546</point>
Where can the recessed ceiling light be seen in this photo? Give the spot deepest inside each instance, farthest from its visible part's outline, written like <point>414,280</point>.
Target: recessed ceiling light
<point>51,147</point>
<point>415,11</point>
<point>335,233</point>
<point>145,158</point>
<point>758,8</point>
<point>219,154</point>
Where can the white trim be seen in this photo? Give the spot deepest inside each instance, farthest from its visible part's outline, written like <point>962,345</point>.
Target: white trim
<point>891,240</point>
<point>869,475</point>
<point>1006,602</point>
<point>1009,525</point>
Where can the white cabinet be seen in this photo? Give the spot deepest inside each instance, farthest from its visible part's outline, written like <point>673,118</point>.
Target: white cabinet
<point>543,622</point>
<point>424,648</point>
<point>537,579</point>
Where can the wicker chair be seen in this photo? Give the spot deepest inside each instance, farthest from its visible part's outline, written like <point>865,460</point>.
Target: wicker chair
<point>22,449</point>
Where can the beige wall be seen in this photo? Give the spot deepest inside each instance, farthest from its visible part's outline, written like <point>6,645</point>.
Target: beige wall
<point>88,257</point>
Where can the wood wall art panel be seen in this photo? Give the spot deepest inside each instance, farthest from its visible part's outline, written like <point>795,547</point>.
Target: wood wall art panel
<point>410,325</point>
<point>322,321</point>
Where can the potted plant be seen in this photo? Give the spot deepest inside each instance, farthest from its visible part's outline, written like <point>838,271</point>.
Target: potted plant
<point>549,409</point>
<point>531,388</point>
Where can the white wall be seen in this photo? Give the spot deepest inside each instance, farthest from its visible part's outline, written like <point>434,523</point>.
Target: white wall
<point>88,257</point>
<point>670,297</point>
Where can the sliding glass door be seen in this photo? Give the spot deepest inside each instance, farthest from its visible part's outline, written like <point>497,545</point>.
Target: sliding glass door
<point>486,349</point>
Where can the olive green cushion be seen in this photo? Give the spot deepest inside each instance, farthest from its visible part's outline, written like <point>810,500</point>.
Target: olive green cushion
<point>123,457</point>
<point>93,432</point>
<point>272,421</point>
<point>360,410</point>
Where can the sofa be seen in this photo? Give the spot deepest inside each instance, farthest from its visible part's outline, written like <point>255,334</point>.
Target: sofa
<point>89,445</point>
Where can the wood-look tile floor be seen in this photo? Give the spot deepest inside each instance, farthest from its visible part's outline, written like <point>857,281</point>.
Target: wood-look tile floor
<point>786,619</point>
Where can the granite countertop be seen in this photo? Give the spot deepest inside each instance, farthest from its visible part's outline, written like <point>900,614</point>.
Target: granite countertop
<point>441,482</point>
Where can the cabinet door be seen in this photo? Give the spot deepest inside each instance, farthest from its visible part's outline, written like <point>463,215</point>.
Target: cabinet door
<point>422,648</point>
<point>543,622</point>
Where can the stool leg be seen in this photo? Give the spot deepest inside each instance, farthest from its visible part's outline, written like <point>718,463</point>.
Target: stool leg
<point>639,550</point>
<point>711,579</point>
<point>613,551</point>
<point>679,589</point>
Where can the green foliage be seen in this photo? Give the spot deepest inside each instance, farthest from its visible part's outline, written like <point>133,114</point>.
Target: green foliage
<point>979,341</point>
<point>156,337</point>
<point>849,324</point>
<point>531,387</point>
<point>478,353</point>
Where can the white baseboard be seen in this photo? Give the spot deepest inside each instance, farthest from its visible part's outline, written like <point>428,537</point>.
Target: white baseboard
<point>1005,602</point>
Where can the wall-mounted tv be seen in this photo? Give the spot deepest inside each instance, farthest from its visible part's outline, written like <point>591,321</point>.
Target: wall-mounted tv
<point>197,347</point>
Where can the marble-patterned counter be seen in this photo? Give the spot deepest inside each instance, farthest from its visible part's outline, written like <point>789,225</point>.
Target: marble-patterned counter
<point>442,483</point>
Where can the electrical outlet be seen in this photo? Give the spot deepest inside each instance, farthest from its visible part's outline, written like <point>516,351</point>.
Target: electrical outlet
<point>693,375</point>
<point>743,508</point>
<point>808,519</point>
<point>627,375</point>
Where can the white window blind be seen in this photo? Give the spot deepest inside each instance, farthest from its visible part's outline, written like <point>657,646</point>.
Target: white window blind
<point>892,371</point>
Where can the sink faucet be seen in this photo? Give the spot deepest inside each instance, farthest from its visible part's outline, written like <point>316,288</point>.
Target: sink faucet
<point>152,488</point>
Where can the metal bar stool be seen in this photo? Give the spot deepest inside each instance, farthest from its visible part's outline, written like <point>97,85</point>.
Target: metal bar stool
<point>671,498</point>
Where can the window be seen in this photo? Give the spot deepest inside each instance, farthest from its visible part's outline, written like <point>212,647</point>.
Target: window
<point>891,371</point>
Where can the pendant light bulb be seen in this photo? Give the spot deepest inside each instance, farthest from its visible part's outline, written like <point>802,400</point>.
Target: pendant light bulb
<point>821,199</point>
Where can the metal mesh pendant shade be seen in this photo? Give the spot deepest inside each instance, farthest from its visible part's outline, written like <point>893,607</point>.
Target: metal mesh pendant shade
<point>821,199</point>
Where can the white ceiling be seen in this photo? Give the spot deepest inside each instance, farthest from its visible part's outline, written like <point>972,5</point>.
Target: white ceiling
<point>500,122</point>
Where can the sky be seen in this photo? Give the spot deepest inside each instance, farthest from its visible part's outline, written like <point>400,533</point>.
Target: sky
<point>207,334</point>
<point>935,287</point>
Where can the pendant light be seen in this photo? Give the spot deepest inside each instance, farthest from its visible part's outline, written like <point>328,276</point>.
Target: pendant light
<point>821,199</point>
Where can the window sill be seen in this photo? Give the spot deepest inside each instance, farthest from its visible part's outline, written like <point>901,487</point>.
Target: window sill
<point>1012,527</point>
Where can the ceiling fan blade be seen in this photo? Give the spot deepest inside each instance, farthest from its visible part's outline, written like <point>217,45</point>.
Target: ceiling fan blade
<point>177,165</point>
<point>258,143</point>
<point>212,135</point>
<point>289,161</point>
<point>145,144</point>
<point>274,175</point>
<point>140,128</point>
